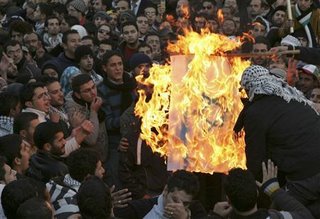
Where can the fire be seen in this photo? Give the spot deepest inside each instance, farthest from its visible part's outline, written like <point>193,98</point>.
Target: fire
<point>195,104</point>
<point>220,16</point>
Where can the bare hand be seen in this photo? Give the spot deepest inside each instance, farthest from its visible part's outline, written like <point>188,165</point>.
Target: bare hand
<point>176,211</point>
<point>87,127</point>
<point>77,118</point>
<point>222,208</point>
<point>123,145</point>
<point>96,104</point>
<point>120,198</point>
<point>54,117</point>
<point>269,171</point>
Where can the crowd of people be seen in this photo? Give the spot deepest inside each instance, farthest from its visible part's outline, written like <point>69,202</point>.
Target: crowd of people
<point>70,143</point>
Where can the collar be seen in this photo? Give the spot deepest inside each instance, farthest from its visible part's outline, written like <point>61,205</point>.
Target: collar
<point>157,211</point>
<point>42,116</point>
<point>69,181</point>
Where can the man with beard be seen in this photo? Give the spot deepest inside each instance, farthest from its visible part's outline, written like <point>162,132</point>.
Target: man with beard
<point>53,37</point>
<point>261,45</point>
<point>130,43</point>
<point>84,104</point>
<point>117,91</point>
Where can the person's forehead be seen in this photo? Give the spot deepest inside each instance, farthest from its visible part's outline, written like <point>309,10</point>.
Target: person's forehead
<point>114,59</point>
<point>39,90</point>
<point>87,85</point>
<point>54,86</point>
<point>73,36</point>
<point>182,195</point>
<point>259,46</point>
<point>128,27</point>
<point>15,47</point>
<point>53,20</point>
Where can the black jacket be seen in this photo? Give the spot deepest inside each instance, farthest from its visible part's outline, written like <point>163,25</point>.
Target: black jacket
<point>288,133</point>
<point>44,166</point>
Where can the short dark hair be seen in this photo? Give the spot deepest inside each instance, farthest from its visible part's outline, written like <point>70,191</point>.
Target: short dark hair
<point>184,180</point>
<point>27,92</point>
<point>45,133</point>
<point>34,208</point>
<point>47,80</point>
<point>79,80</point>
<point>8,101</point>
<point>129,23</point>
<point>109,54</point>
<point>3,161</point>
<point>241,189</point>
<point>66,34</point>
<point>152,33</point>
<point>71,20</point>
<point>94,199</point>
<point>11,43</point>
<point>49,18</point>
<point>22,121</point>
<point>82,162</point>
<point>45,9</point>
<point>10,146</point>
<point>19,191</point>
<point>20,27</point>
<point>82,51</point>
<point>144,45</point>
<point>262,40</point>
<point>108,42</point>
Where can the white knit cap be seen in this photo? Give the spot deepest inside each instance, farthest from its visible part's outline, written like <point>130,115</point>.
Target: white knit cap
<point>81,30</point>
<point>290,41</point>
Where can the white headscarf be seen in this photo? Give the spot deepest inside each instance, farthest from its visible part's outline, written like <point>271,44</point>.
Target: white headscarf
<point>257,80</point>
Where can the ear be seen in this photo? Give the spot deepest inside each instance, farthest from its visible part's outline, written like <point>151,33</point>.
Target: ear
<point>17,161</point>
<point>77,95</point>
<point>28,104</point>
<point>64,46</point>
<point>47,147</point>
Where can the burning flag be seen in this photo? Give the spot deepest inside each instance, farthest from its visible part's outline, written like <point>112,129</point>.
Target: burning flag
<point>195,104</point>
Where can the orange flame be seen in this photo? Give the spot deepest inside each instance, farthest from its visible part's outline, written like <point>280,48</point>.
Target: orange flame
<point>220,16</point>
<point>195,104</point>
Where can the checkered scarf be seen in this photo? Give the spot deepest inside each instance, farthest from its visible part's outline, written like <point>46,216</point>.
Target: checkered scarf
<point>257,80</point>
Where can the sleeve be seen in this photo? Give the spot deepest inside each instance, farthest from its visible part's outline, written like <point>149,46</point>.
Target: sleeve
<point>112,122</point>
<point>71,145</point>
<point>255,138</point>
<point>290,206</point>
<point>93,137</point>
<point>309,55</point>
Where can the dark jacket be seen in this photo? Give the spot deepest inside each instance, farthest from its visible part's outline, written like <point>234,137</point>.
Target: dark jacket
<point>137,209</point>
<point>309,55</point>
<point>62,62</point>
<point>45,166</point>
<point>288,133</point>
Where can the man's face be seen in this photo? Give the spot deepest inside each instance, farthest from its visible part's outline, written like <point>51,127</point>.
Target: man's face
<point>64,26</point>
<point>228,27</point>
<point>199,23</point>
<point>258,30</point>
<point>40,100</point>
<point>114,69</point>
<point>86,63</point>
<point>151,14</point>
<point>182,9</point>
<point>53,26</point>
<point>3,3</point>
<point>99,170</point>
<point>103,48</point>
<point>98,21</point>
<point>17,36</point>
<point>260,48</point>
<point>58,144</point>
<point>15,52</point>
<point>208,8</point>
<point>143,24</point>
<point>305,82</point>
<point>130,34</point>
<point>304,4</point>
<point>255,8</point>
<point>72,43</point>
<point>146,50</point>
<point>30,131</point>
<point>177,196</point>
<point>25,156</point>
<point>31,41</point>
<point>74,12</point>
<point>142,69</point>
<point>51,73</point>
<point>10,174</point>
<point>56,94</point>
<point>97,5</point>
<point>88,92</point>
<point>37,14</point>
<point>88,42</point>
<point>122,6</point>
<point>279,17</point>
<point>315,95</point>
<point>154,42</point>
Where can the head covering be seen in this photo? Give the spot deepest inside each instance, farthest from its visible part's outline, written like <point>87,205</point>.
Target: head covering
<point>127,15</point>
<point>66,78</point>
<point>102,15</point>
<point>138,59</point>
<point>310,69</point>
<point>278,72</point>
<point>257,80</point>
<point>79,5</point>
<point>290,41</point>
<point>263,22</point>
<point>81,30</point>
<point>279,8</point>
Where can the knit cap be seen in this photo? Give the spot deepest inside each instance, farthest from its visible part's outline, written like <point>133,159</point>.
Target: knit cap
<point>290,41</point>
<point>310,69</point>
<point>138,59</point>
<point>79,5</point>
<point>102,15</point>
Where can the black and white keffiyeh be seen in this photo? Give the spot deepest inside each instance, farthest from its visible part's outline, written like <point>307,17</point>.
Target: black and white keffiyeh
<point>257,80</point>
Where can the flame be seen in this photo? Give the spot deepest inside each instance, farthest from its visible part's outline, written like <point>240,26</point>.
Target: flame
<point>195,104</point>
<point>220,16</point>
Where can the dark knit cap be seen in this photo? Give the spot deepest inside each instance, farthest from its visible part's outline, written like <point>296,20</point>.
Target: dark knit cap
<point>102,15</point>
<point>79,5</point>
<point>138,59</point>
<point>81,51</point>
